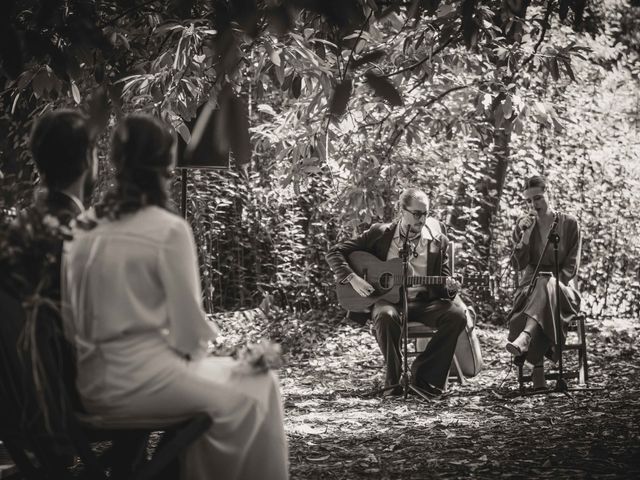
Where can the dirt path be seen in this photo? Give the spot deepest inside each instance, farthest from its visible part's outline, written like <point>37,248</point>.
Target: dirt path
<point>479,430</point>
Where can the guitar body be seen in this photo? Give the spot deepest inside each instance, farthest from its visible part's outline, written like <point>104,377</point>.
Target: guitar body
<point>378,273</point>
<point>386,278</point>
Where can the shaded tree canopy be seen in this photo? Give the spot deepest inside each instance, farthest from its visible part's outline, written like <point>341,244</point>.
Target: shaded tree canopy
<point>333,107</point>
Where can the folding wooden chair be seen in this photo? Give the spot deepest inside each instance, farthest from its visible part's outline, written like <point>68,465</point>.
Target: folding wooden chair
<point>575,341</point>
<point>46,446</point>
<point>421,334</point>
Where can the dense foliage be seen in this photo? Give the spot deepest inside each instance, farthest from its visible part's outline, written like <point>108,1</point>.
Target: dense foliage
<point>346,103</point>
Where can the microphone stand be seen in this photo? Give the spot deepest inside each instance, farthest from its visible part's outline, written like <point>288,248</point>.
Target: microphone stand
<point>561,383</point>
<point>405,382</point>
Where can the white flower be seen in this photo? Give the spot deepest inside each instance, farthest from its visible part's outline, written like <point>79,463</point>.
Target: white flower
<point>260,357</point>
<point>51,221</point>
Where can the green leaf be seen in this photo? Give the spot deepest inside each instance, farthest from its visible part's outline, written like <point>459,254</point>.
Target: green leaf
<point>340,97</point>
<point>275,58</point>
<point>296,86</point>
<point>75,92</point>
<point>382,87</point>
<point>445,10</point>
<point>567,67</point>
<point>507,107</point>
<point>553,68</point>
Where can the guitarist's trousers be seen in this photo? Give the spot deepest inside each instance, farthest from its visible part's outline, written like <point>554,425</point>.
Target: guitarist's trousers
<point>432,365</point>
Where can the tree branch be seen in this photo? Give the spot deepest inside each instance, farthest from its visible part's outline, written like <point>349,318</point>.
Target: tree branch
<point>430,102</point>
<point>420,62</point>
<point>398,134</point>
<point>350,59</point>
<point>127,12</point>
<point>545,26</point>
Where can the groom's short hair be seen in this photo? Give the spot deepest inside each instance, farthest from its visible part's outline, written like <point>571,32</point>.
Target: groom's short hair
<point>60,143</point>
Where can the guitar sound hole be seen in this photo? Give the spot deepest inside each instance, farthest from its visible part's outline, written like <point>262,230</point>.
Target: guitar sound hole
<point>386,281</point>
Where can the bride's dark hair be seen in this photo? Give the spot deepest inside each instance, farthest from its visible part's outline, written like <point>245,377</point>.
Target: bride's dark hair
<point>141,152</point>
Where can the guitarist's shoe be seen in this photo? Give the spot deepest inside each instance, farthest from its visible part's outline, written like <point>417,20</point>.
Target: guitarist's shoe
<point>428,390</point>
<point>520,345</point>
<point>393,392</point>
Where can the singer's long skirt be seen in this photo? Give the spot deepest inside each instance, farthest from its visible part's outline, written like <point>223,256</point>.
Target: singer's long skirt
<point>540,305</point>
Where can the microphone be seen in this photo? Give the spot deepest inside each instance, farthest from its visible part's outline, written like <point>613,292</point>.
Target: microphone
<point>533,218</point>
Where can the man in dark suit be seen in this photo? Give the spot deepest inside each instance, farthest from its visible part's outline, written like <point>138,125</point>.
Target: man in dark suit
<point>432,306</point>
<point>62,147</point>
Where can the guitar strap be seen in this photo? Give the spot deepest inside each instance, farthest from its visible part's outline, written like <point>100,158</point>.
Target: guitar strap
<point>435,230</point>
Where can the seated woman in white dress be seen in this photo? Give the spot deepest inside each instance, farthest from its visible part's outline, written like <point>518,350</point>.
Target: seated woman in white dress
<point>133,309</point>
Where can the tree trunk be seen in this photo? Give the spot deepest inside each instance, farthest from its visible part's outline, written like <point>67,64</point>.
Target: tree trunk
<point>494,172</point>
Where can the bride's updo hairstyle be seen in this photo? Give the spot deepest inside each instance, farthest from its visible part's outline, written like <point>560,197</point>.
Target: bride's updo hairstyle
<point>142,154</point>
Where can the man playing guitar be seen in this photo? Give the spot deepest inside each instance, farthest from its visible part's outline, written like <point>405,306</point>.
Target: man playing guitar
<point>430,305</point>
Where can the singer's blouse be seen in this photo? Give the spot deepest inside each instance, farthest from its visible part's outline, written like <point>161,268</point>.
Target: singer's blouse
<point>526,257</point>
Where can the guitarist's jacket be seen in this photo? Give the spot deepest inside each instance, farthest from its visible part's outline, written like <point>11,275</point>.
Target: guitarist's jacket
<point>377,241</point>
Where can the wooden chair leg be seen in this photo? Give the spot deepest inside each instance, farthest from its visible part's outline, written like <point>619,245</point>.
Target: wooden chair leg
<point>521,377</point>
<point>461,378</point>
<point>174,444</point>
<point>583,368</point>
<point>24,463</point>
<point>127,454</point>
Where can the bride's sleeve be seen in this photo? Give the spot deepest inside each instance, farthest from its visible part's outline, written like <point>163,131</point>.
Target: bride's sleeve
<point>189,329</point>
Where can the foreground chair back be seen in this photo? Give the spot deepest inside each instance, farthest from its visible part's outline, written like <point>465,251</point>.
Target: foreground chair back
<point>44,433</point>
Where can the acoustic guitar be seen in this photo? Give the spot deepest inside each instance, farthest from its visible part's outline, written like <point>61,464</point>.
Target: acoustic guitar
<point>386,278</point>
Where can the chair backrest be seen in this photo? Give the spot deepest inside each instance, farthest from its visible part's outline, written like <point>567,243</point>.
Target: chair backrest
<point>451,253</point>
<point>42,446</point>
<point>37,441</point>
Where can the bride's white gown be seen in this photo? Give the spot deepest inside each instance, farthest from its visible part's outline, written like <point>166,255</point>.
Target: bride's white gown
<point>132,307</point>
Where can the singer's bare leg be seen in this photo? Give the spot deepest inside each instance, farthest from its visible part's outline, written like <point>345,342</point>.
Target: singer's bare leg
<point>520,345</point>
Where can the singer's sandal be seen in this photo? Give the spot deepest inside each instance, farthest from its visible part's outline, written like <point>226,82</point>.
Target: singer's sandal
<point>520,345</point>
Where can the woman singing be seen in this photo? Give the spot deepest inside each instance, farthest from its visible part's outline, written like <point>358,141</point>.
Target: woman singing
<point>531,320</point>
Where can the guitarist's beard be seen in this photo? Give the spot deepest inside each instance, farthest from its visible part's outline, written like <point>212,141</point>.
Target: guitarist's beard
<point>411,231</point>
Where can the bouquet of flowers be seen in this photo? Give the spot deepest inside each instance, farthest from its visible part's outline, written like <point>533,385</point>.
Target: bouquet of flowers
<point>259,357</point>
<point>29,246</point>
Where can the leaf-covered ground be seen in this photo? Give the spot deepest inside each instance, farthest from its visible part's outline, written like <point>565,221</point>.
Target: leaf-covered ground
<point>481,430</point>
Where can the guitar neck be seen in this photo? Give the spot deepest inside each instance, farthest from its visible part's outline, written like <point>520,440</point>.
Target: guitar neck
<point>421,280</point>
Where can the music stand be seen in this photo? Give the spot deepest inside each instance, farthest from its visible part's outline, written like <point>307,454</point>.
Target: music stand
<point>203,150</point>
